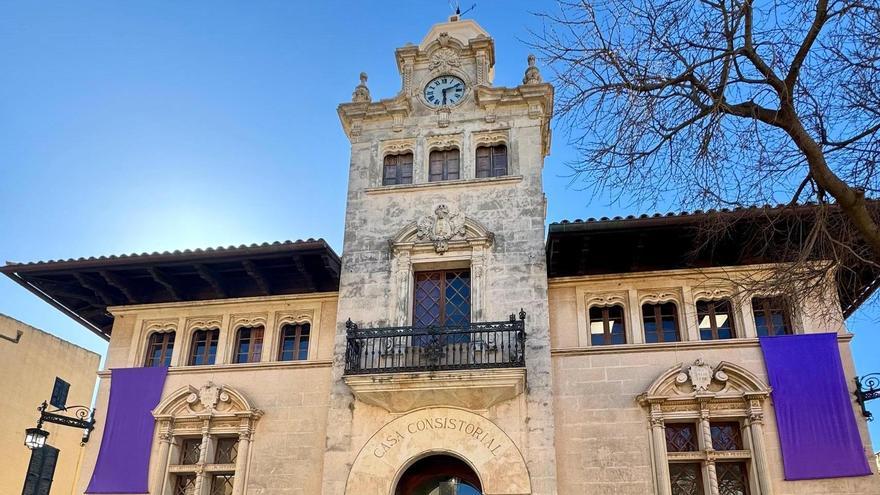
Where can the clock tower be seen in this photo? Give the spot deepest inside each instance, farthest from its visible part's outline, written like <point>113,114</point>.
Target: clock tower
<point>444,245</point>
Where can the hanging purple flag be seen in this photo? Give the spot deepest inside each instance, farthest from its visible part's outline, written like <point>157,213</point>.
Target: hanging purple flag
<point>814,416</point>
<point>124,458</point>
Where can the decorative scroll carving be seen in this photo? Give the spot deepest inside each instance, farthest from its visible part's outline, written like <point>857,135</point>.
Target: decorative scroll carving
<point>398,146</point>
<point>659,296</point>
<point>441,228</point>
<point>444,142</point>
<point>204,322</point>
<point>168,325</point>
<point>293,318</point>
<point>712,293</point>
<point>248,320</point>
<point>490,138</point>
<point>607,299</point>
<point>444,59</point>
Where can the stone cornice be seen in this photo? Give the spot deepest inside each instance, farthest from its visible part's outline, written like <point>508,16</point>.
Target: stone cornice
<point>223,368</point>
<point>352,115</point>
<point>538,97</point>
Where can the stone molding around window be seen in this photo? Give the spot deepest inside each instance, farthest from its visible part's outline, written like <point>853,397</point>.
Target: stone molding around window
<point>699,393</point>
<point>210,413</point>
<point>447,236</point>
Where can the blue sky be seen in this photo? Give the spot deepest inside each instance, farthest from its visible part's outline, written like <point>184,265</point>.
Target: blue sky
<point>143,126</point>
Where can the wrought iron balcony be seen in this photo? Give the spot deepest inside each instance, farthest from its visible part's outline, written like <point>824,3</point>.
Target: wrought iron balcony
<point>497,344</point>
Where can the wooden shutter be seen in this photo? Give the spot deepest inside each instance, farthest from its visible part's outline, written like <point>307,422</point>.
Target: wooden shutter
<point>41,471</point>
<point>59,393</point>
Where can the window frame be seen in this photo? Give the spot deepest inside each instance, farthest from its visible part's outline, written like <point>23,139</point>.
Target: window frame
<point>212,338</point>
<point>784,306</point>
<point>167,346</point>
<point>658,320</point>
<point>607,334</point>
<point>442,292</point>
<point>713,322</point>
<point>444,164</point>
<point>236,359</point>
<point>398,178</point>
<point>492,153</point>
<point>297,340</point>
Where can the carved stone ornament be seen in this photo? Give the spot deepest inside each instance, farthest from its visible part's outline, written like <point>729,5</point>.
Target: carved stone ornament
<point>208,397</point>
<point>361,92</point>
<point>441,228</point>
<point>533,75</point>
<point>700,375</point>
<point>443,59</point>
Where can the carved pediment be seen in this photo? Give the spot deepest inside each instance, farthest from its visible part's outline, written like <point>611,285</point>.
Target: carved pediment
<point>699,378</point>
<point>440,229</point>
<point>209,400</point>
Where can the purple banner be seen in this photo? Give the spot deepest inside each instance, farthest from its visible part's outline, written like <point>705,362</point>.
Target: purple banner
<point>814,414</point>
<point>124,458</point>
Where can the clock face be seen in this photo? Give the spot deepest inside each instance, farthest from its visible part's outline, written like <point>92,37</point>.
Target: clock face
<point>444,91</point>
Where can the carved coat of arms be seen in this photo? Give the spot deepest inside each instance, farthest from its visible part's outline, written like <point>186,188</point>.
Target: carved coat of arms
<point>441,228</point>
<point>700,375</point>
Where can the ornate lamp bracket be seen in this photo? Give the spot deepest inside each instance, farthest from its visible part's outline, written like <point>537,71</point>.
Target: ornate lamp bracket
<point>83,417</point>
<point>867,388</point>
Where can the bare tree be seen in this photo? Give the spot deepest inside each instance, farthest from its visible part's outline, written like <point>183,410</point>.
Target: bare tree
<point>727,103</point>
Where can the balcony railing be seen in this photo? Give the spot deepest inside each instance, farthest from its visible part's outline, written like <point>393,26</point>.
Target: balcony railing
<point>497,344</point>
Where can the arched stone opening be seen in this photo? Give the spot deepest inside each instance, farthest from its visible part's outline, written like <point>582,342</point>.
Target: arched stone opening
<point>439,475</point>
<point>477,442</point>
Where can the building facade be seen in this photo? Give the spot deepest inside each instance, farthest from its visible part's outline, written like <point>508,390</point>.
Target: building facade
<point>36,366</point>
<point>454,348</point>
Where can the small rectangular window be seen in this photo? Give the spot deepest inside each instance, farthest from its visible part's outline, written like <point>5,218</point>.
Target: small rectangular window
<point>606,325</point>
<point>185,484</point>
<point>732,477</point>
<point>715,320</point>
<point>160,349</point>
<point>204,347</point>
<point>443,165</point>
<point>771,316</point>
<point>227,450</point>
<point>726,436</point>
<point>397,169</point>
<point>294,342</point>
<point>190,450</point>
<point>660,322</point>
<point>686,478</point>
<point>59,393</point>
<point>222,484</point>
<point>681,437</point>
<point>249,345</point>
<point>491,161</point>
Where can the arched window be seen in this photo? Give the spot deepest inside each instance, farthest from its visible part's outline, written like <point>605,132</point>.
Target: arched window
<point>249,345</point>
<point>661,322</point>
<point>159,349</point>
<point>397,169</point>
<point>715,320</point>
<point>444,165</point>
<point>492,161</point>
<point>204,347</point>
<point>294,342</point>
<point>607,325</point>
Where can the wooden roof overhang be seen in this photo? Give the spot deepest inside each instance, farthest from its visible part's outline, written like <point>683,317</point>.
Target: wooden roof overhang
<point>751,236</point>
<point>84,288</point>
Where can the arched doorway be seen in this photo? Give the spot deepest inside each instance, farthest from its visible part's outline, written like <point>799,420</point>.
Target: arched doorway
<point>439,475</point>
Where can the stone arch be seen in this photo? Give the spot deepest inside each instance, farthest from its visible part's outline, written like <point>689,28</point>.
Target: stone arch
<point>439,430</point>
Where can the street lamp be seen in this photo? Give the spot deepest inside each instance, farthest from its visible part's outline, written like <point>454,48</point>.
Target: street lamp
<point>84,418</point>
<point>35,438</point>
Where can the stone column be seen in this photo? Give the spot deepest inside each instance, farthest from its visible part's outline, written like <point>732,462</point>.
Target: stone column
<point>658,441</point>
<point>202,486</point>
<point>244,443</point>
<point>759,457</point>
<point>160,466</point>
<point>706,433</point>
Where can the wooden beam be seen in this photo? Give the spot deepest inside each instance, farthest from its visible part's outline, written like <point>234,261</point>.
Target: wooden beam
<point>99,291</point>
<point>165,281</point>
<point>258,276</point>
<point>329,266</point>
<point>301,267</point>
<point>65,289</point>
<point>213,280</point>
<point>118,282</point>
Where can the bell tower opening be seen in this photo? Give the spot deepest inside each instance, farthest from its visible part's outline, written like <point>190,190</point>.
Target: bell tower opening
<point>439,475</point>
